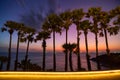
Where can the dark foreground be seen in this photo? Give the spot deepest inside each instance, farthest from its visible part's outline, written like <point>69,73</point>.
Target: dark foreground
<point>111,61</point>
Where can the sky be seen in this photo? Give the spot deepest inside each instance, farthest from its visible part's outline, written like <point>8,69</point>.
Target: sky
<point>21,10</point>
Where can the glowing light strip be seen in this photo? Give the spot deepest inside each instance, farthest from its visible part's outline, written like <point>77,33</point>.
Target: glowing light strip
<point>104,75</point>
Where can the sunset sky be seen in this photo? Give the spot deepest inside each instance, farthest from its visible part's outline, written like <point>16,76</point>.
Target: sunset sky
<point>13,9</point>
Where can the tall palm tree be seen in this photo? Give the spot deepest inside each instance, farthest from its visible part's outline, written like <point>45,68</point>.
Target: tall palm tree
<point>18,27</point>
<point>70,47</point>
<point>85,25</point>
<point>77,15</point>
<point>27,35</point>
<point>19,30</point>
<point>105,23</point>
<point>66,18</point>
<point>10,30</point>
<point>54,23</point>
<point>3,59</point>
<point>94,13</point>
<point>43,35</point>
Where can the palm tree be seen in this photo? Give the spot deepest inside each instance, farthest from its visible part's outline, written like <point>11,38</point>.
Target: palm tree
<point>8,27</point>
<point>77,15</point>
<point>18,27</point>
<point>94,13</point>
<point>54,23</point>
<point>27,35</point>
<point>43,35</point>
<point>66,18</point>
<point>104,22</point>
<point>3,59</point>
<point>70,47</point>
<point>85,25</point>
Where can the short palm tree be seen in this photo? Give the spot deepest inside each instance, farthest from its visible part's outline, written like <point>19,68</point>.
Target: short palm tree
<point>94,13</point>
<point>77,15</point>
<point>66,18</point>
<point>43,35</point>
<point>3,59</point>
<point>70,47</point>
<point>54,23</point>
<point>85,26</point>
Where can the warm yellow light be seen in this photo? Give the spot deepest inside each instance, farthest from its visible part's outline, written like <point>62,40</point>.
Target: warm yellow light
<point>92,75</point>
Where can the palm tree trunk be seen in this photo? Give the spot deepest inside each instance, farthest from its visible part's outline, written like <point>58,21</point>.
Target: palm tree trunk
<point>66,54</point>
<point>87,55</point>
<point>70,60</point>
<point>26,56</point>
<point>54,56</point>
<point>107,48</point>
<point>9,54</point>
<point>44,52</point>
<point>78,53</point>
<point>1,65</point>
<point>98,64</point>
<point>16,60</point>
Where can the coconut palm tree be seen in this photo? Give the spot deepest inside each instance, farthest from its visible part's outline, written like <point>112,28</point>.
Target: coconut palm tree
<point>8,27</point>
<point>17,27</point>
<point>77,15</point>
<point>54,23</point>
<point>94,14</point>
<point>66,18</point>
<point>3,59</point>
<point>85,25</point>
<point>70,47</point>
<point>43,35</point>
<point>104,23</point>
<point>27,35</point>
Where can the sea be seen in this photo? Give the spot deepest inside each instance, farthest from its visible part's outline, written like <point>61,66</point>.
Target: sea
<point>36,58</point>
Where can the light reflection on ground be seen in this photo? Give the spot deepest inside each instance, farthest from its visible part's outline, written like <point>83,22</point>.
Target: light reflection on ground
<point>92,75</point>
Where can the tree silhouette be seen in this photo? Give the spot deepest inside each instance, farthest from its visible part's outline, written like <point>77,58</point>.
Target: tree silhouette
<point>94,12</point>
<point>66,18</point>
<point>28,35</point>
<point>19,28</point>
<point>104,23</point>
<point>77,15</point>
<point>43,35</point>
<point>54,23</point>
<point>70,47</point>
<point>10,29</point>
<point>85,26</point>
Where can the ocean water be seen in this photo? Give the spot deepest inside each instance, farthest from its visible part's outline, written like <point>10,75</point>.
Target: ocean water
<point>36,57</point>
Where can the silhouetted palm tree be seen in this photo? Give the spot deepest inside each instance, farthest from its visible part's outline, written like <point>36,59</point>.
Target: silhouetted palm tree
<point>27,35</point>
<point>70,47</point>
<point>77,15</point>
<point>54,23</point>
<point>3,59</point>
<point>8,27</point>
<point>66,18</point>
<point>43,35</point>
<point>85,25</point>
<point>94,13</point>
<point>19,28</point>
<point>104,22</point>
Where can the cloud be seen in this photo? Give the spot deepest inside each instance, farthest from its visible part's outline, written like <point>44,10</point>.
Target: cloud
<point>37,11</point>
